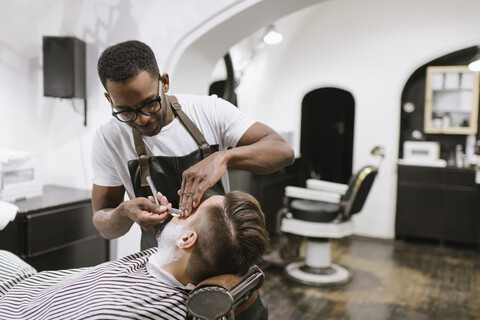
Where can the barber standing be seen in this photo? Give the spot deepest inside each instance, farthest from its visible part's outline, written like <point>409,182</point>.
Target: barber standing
<point>183,142</point>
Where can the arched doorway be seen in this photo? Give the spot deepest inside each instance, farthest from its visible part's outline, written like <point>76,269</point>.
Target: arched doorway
<point>326,144</point>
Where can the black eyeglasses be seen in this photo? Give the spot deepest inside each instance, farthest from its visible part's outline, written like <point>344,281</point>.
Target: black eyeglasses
<point>130,115</point>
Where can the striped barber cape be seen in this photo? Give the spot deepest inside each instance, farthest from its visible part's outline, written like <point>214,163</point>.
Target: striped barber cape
<point>120,289</point>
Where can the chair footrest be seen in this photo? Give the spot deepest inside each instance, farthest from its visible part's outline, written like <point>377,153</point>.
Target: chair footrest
<point>327,186</point>
<point>317,229</point>
<point>310,194</point>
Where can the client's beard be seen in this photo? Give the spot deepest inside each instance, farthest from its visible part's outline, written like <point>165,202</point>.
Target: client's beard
<point>168,250</point>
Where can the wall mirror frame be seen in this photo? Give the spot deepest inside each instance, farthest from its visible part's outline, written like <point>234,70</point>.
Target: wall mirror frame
<point>451,100</point>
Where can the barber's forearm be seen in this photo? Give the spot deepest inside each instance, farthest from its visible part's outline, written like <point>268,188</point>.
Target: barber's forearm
<point>268,155</point>
<point>111,223</point>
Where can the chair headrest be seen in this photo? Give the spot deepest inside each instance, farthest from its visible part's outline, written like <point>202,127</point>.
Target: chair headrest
<point>219,295</point>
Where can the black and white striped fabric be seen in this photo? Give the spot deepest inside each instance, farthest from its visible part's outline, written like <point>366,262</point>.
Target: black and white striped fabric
<point>121,289</point>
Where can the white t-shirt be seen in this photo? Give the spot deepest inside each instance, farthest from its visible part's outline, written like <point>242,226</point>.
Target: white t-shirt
<point>218,120</point>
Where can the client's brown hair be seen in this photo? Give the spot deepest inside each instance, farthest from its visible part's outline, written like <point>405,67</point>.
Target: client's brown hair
<point>232,237</point>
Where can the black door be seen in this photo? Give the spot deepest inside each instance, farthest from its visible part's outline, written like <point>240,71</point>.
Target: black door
<point>326,144</point>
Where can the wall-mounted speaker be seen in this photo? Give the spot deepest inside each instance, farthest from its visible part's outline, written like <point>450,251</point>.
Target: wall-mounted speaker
<point>64,67</point>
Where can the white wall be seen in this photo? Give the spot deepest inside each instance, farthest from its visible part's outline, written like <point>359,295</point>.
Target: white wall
<point>50,127</point>
<point>367,47</point>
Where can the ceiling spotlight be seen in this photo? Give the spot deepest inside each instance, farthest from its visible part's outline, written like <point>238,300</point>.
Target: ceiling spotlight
<point>272,36</point>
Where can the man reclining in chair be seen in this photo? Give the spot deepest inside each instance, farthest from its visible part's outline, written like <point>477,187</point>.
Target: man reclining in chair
<point>226,234</point>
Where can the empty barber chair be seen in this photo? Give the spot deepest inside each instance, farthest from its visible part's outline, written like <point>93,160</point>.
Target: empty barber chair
<point>229,297</point>
<point>321,212</point>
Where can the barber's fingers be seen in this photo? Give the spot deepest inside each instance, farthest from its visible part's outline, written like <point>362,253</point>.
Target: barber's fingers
<point>147,220</point>
<point>191,198</point>
<point>189,204</point>
<point>146,212</point>
<point>183,203</point>
<point>133,208</point>
<point>197,194</point>
<point>185,194</point>
<point>158,208</point>
<point>198,178</point>
<point>162,199</point>
<point>190,195</point>
<point>163,202</point>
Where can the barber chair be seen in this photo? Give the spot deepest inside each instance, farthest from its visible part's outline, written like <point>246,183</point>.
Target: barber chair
<point>228,297</point>
<point>321,212</point>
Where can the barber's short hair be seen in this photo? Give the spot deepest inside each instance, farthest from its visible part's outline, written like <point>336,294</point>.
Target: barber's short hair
<point>125,60</point>
<point>232,237</point>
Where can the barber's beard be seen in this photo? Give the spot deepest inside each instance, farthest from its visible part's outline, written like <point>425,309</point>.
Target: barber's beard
<point>168,251</point>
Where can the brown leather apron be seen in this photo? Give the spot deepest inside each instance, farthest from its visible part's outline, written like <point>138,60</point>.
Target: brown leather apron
<point>166,172</point>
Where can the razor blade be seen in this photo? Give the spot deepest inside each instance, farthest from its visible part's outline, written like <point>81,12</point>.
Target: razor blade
<point>172,211</point>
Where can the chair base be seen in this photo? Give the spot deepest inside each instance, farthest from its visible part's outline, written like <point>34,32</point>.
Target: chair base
<point>330,276</point>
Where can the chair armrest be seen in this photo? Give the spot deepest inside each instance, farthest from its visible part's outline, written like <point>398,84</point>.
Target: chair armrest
<point>309,194</point>
<point>328,186</point>
<point>224,295</point>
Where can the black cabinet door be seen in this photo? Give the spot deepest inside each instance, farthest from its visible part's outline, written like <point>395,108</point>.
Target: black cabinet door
<point>419,211</point>
<point>88,252</point>
<point>438,203</point>
<point>63,238</point>
<point>11,237</point>
<point>58,228</point>
<point>459,222</point>
<point>55,231</point>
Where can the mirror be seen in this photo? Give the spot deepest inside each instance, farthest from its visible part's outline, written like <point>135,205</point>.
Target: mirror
<point>451,100</point>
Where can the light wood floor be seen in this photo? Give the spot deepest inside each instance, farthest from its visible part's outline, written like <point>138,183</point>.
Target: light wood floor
<point>391,280</point>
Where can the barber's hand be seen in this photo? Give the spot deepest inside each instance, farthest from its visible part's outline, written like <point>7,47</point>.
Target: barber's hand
<point>199,178</point>
<point>146,212</point>
<point>161,199</point>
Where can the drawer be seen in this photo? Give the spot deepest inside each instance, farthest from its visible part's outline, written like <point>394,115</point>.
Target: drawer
<point>84,254</point>
<point>52,229</point>
<point>11,237</point>
<point>461,178</point>
<point>440,177</point>
<point>421,175</point>
<point>419,212</point>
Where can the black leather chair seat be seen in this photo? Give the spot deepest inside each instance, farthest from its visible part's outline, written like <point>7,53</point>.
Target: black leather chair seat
<point>314,211</point>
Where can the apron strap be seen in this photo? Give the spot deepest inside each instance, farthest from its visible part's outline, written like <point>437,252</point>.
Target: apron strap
<point>142,157</point>
<point>191,127</point>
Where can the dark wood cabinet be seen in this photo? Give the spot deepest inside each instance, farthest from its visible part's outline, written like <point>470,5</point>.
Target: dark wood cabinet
<point>55,231</point>
<point>438,203</point>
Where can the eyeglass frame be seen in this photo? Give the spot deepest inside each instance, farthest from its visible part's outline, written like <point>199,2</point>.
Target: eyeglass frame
<point>136,110</point>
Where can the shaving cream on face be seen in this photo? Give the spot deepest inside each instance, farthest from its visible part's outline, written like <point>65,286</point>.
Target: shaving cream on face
<point>168,250</point>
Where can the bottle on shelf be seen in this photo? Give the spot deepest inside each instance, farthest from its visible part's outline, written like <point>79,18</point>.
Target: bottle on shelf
<point>446,120</point>
<point>459,156</point>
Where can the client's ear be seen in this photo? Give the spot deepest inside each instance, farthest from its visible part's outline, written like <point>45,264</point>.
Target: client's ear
<point>187,240</point>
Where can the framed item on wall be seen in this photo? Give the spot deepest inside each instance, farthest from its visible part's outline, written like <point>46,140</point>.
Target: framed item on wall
<point>451,100</point>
